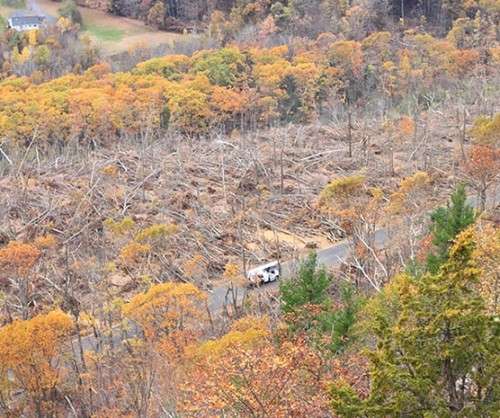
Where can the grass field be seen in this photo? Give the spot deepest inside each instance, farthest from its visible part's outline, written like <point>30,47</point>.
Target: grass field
<point>113,34</point>
<point>104,34</point>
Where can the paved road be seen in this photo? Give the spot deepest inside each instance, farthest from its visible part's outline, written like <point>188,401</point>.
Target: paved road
<point>328,257</point>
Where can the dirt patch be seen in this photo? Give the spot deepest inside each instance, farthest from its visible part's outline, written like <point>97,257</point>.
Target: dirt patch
<point>295,241</point>
<point>114,34</point>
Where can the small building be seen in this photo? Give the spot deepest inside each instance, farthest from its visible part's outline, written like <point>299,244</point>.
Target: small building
<point>24,22</point>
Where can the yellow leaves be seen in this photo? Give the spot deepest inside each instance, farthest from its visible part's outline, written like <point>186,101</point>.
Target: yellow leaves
<point>419,179</point>
<point>32,37</point>
<point>400,199</point>
<point>120,227</point>
<point>268,55</point>
<point>20,57</point>
<point>18,257</point>
<point>495,55</point>
<point>165,306</point>
<point>486,131</point>
<point>342,188</point>
<point>487,256</point>
<point>214,87</point>
<point>190,107</point>
<point>405,64</point>
<point>155,232</point>
<point>170,67</point>
<point>63,24</point>
<point>231,271</point>
<point>269,75</point>
<point>244,334</point>
<point>377,40</point>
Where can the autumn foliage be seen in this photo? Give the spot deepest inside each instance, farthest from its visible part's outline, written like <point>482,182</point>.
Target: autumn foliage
<point>229,87</point>
<point>18,258</point>
<point>246,372</point>
<point>30,353</point>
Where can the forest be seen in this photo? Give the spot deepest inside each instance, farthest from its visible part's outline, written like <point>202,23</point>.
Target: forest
<point>353,145</point>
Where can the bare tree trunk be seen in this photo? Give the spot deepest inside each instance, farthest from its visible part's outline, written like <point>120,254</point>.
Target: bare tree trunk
<point>282,181</point>
<point>391,160</point>
<point>462,136</point>
<point>482,199</point>
<point>349,128</point>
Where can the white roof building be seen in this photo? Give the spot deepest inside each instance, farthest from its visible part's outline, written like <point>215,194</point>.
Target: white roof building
<point>24,23</point>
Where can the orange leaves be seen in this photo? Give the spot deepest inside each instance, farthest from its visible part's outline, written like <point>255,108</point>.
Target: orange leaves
<point>483,163</point>
<point>218,87</point>
<point>29,350</point>
<point>228,101</point>
<point>247,373</point>
<point>399,129</point>
<point>462,61</point>
<point>133,252</point>
<point>406,126</point>
<point>18,258</point>
<point>347,55</point>
<point>45,242</point>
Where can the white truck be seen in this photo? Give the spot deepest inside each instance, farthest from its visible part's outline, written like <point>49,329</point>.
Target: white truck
<point>266,273</point>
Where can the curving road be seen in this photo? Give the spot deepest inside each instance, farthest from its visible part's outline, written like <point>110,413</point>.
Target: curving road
<point>328,257</point>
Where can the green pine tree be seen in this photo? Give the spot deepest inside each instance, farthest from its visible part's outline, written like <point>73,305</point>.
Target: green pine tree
<point>307,306</point>
<point>447,223</point>
<point>308,287</point>
<point>338,323</point>
<point>436,349</point>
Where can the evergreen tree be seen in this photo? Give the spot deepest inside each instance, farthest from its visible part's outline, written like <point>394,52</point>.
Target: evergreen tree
<point>338,323</point>
<point>447,223</point>
<point>308,307</point>
<point>437,347</point>
<point>308,287</point>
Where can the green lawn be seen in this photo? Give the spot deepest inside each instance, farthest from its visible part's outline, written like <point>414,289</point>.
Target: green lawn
<point>13,4</point>
<point>106,34</point>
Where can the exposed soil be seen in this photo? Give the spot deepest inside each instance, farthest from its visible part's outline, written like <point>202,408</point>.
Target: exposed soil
<point>131,33</point>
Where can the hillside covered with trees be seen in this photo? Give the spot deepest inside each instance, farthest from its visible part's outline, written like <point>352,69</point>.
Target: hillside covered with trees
<point>352,145</point>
